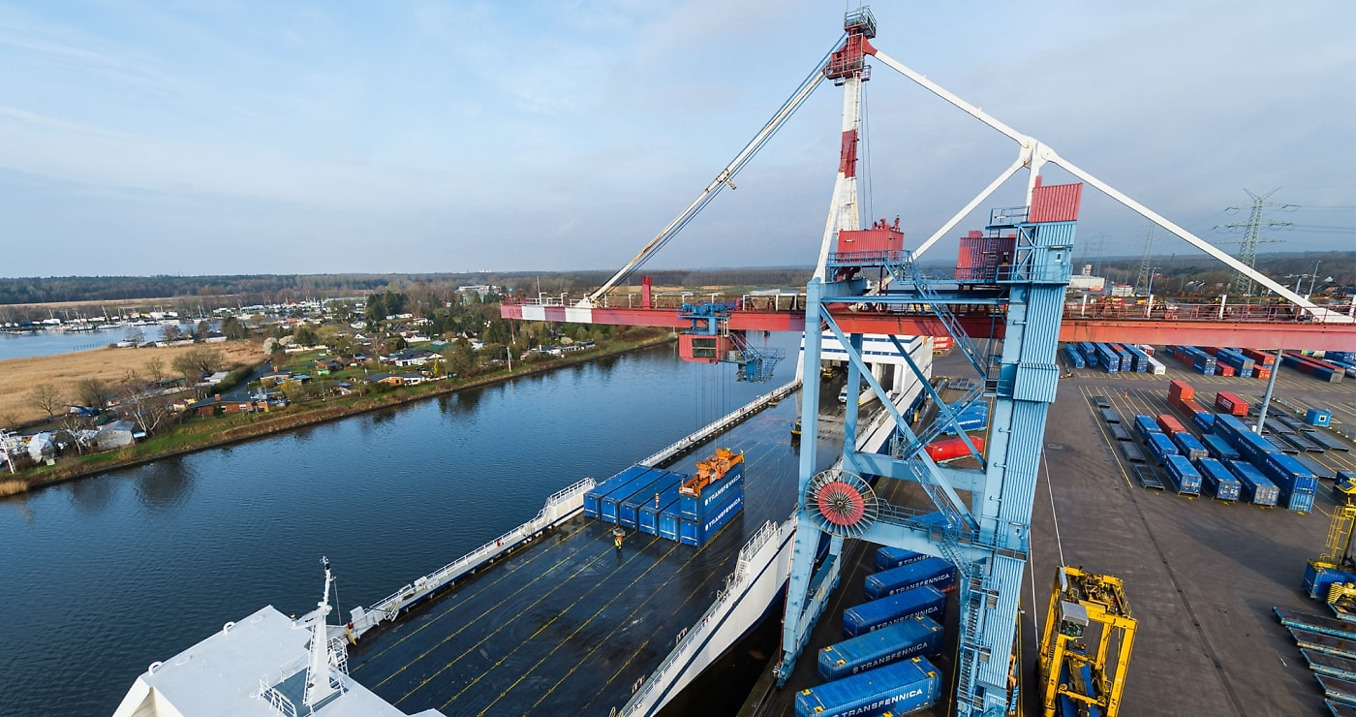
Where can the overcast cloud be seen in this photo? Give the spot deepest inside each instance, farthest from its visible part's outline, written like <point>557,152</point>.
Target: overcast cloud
<point>255,137</point>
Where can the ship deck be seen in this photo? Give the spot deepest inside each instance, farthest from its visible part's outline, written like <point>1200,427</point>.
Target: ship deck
<point>569,620</point>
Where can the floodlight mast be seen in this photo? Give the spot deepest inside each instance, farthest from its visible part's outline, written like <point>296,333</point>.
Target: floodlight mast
<point>1034,154</point>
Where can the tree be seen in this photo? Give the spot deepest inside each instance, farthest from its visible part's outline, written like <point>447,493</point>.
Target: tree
<point>144,404</point>
<point>46,398</point>
<point>195,362</point>
<point>460,358</point>
<point>170,332</point>
<point>304,335</point>
<point>233,328</point>
<point>155,369</point>
<point>92,392</point>
<point>201,330</point>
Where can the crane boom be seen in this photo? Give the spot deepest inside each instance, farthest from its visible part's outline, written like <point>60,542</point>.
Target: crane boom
<point>1035,153</point>
<point>725,177</point>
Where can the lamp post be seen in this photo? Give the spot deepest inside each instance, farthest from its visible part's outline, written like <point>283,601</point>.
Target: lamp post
<point>1152,273</point>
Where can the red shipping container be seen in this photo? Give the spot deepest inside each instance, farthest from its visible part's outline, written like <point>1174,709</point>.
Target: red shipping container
<point>880,238</point>
<point>1231,404</point>
<point>1267,359</point>
<point>947,449</point>
<point>1055,203</point>
<point>701,348</point>
<point>1181,389</point>
<point>979,256</point>
<point>1262,373</point>
<point>1224,369</point>
<point>1169,424</point>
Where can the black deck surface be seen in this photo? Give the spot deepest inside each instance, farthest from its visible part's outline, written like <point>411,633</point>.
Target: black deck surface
<point>570,623</point>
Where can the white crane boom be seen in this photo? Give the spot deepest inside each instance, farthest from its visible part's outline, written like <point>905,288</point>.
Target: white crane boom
<point>1034,153</point>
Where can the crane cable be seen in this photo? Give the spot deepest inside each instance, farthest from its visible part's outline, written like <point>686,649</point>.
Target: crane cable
<point>725,176</point>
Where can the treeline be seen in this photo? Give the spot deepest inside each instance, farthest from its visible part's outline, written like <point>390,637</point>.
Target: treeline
<point>246,289</point>
<point>1206,275</point>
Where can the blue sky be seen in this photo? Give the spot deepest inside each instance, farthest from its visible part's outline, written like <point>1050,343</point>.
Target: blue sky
<point>265,137</point>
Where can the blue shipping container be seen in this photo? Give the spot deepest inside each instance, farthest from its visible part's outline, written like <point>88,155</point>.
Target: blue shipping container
<point>1255,488</point>
<point>695,507</point>
<point>649,515</point>
<point>1161,447</point>
<point>1146,425</point>
<point>696,534</point>
<point>933,571</point>
<point>1204,420</point>
<point>608,505</point>
<point>887,557</point>
<point>628,511</point>
<point>1222,484</point>
<point>1189,446</point>
<point>669,521</point>
<point>1300,502</point>
<point>917,637</point>
<point>1183,475</point>
<point>592,498</point>
<point>900,688</point>
<point>861,619</point>
<point>1219,448</point>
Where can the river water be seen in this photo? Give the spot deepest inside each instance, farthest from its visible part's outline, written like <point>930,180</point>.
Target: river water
<point>102,576</point>
<point>24,344</point>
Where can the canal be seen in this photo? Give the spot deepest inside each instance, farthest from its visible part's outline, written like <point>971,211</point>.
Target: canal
<point>103,576</point>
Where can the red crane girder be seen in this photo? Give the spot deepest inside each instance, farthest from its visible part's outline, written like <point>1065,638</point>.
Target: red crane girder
<point>1261,335</point>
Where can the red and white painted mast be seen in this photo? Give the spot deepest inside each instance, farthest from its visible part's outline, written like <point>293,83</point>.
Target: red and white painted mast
<point>847,68</point>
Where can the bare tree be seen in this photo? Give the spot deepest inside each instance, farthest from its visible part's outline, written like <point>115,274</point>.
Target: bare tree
<point>143,403</point>
<point>155,369</point>
<point>171,332</point>
<point>92,392</point>
<point>46,398</point>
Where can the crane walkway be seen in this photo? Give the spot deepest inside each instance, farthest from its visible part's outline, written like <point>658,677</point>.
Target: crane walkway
<point>570,620</point>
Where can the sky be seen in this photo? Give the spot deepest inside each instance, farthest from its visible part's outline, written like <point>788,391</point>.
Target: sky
<point>223,137</point>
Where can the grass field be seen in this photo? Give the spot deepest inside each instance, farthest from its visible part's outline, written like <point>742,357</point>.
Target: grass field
<point>65,371</point>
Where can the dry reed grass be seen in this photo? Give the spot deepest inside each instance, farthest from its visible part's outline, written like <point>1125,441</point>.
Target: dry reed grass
<point>65,371</point>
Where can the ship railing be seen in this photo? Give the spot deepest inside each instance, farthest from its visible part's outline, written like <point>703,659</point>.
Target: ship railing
<point>690,638</point>
<point>275,699</point>
<point>559,506</point>
<point>722,423</point>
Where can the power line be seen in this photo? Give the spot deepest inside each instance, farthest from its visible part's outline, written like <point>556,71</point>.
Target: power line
<point>1252,236</point>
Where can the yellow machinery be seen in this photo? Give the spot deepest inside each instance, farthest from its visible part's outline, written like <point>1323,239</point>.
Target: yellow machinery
<point>1074,679</point>
<point>1330,577</point>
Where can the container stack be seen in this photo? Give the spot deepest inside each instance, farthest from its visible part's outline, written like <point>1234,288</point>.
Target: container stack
<point>1182,397</point>
<point>898,688</point>
<point>1243,366</point>
<point>674,506</point>
<point>1321,370</point>
<point>1197,359</point>
<point>919,636</point>
<point>938,573</point>
<point>1074,356</point>
<point>1295,484</point>
<point>1221,483</point>
<point>1263,364</point>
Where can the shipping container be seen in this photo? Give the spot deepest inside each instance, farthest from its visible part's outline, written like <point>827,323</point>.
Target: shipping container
<point>861,619</point>
<point>1183,475</point>
<point>1144,425</point>
<point>1231,404</point>
<point>1189,446</point>
<point>628,510</point>
<point>669,522</point>
<point>1318,417</point>
<point>1254,487</point>
<point>1160,447</point>
<point>1156,367</point>
<point>888,557</point>
<point>980,256</point>
<point>649,514</point>
<point>1169,424</point>
<point>694,505</point>
<point>917,637</point>
<point>897,689</point>
<point>1219,448</point>
<point>696,534</point>
<point>1289,475</point>
<point>593,498</point>
<point>1218,480</point>
<point>1181,389</point>
<point>933,571</point>
<point>1300,502</point>
<point>1205,421</point>
<point>1074,356</point>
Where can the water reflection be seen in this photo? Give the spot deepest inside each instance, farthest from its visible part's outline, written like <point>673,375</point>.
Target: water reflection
<point>165,484</point>
<point>92,495</point>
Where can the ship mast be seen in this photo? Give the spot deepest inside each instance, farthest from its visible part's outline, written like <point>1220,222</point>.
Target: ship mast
<point>318,687</point>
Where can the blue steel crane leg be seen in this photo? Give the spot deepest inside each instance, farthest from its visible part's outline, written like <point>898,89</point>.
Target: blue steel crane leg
<point>1027,381</point>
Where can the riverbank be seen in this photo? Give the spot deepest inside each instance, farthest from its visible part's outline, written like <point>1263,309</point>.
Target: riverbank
<point>202,434</point>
